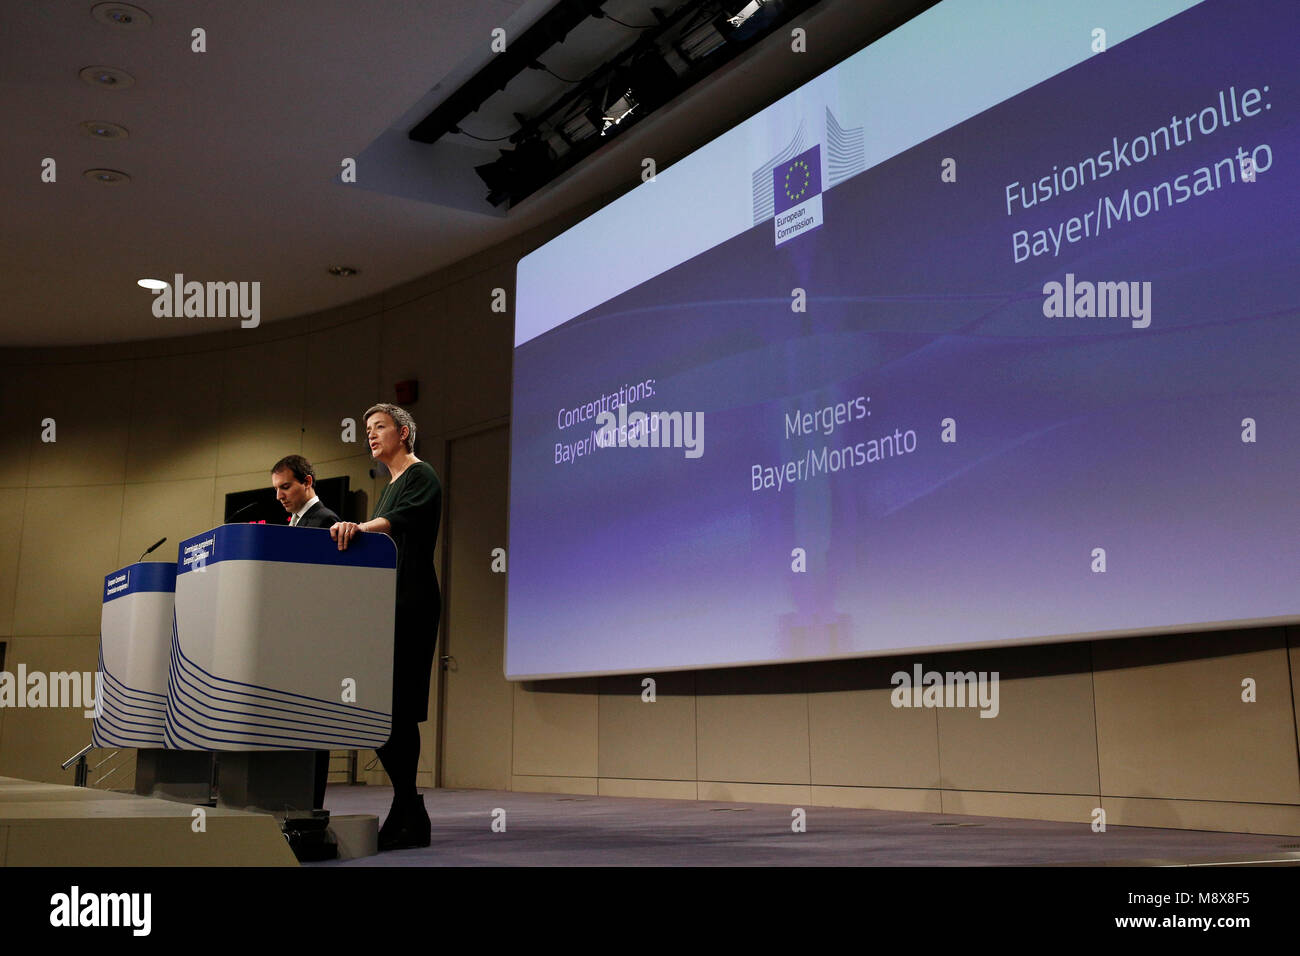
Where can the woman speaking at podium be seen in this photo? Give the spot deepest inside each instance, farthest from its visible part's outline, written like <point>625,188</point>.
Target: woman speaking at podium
<point>409,510</point>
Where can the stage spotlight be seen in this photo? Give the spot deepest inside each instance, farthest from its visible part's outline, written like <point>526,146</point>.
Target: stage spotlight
<point>744,13</point>
<point>616,112</point>
<point>496,176</point>
<point>517,172</point>
<point>576,129</point>
<point>741,19</point>
<point>638,88</point>
<point>698,43</point>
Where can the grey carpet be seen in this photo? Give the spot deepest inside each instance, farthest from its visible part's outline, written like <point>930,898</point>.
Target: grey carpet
<point>544,829</point>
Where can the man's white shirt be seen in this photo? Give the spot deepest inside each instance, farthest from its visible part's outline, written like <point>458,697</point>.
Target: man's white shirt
<point>297,515</point>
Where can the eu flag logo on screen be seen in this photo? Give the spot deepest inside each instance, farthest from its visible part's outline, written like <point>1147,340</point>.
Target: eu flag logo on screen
<point>797,195</point>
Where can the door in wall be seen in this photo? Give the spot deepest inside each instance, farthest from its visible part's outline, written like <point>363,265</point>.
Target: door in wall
<point>476,700</point>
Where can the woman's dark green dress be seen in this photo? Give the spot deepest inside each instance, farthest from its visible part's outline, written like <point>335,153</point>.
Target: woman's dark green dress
<point>413,506</point>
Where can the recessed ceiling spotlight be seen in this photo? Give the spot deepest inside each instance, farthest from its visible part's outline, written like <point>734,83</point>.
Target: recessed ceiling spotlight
<point>104,130</point>
<point>121,15</point>
<point>107,77</point>
<point>151,283</point>
<point>106,177</point>
<point>342,271</point>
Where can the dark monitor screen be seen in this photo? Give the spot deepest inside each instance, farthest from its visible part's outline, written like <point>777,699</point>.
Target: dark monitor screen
<point>260,504</point>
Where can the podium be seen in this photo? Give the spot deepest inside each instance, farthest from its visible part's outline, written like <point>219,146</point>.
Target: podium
<point>135,629</point>
<point>131,711</point>
<point>282,645</point>
<point>264,643</point>
<point>282,641</point>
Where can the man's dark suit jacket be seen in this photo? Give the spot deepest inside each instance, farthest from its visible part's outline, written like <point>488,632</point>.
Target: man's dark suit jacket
<point>317,516</point>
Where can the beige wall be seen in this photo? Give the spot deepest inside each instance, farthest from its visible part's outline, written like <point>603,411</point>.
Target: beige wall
<point>151,436</point>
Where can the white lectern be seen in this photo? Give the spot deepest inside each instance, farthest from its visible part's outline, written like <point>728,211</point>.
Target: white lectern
<point>282,641</point>
<point>135,633</point>
<point>135,638</point>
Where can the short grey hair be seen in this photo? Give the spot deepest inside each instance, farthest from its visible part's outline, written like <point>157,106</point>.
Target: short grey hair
<point>401,418</point>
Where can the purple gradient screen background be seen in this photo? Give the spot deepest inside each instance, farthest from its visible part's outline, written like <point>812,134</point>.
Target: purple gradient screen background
<point>1073,434</point>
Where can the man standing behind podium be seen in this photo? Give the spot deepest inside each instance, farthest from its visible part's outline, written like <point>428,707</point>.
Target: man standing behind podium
<point>294,481</point>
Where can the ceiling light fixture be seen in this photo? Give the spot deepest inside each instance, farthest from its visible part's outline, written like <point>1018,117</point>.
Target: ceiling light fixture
<point>124,16</point>
<point>664,59</point>
<point>617,112</point>
<point>107,177</point>
<point>107,77</point>
<point>747,11</point>
<point>99,130</point>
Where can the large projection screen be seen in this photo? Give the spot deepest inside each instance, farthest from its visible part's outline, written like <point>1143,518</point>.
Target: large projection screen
<point>988,335</point>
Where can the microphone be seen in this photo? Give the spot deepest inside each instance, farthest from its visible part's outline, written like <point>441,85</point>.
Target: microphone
<point>151,549</point>
<point>248,507</point>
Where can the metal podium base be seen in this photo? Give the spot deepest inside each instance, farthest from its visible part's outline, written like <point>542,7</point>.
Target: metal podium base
<point>274,781</point>
<point>181,775</point>
<point>282,783</point>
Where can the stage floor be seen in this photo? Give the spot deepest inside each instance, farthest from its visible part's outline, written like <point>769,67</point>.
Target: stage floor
<point>547,829</point>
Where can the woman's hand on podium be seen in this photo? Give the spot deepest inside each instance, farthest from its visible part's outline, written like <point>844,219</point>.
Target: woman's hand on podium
<point>344,531</point>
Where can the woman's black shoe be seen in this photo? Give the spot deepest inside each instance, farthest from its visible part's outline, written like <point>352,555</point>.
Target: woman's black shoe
<point>407,826</point>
